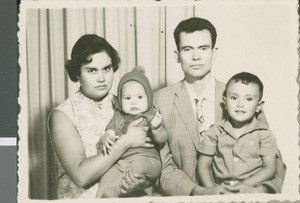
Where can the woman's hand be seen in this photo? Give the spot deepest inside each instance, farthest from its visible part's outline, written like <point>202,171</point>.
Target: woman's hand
<point>136,136</point>
<point>107,140</point>
<point>132,182</point>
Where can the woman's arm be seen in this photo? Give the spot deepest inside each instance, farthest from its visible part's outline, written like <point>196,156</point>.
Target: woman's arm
<point>204,170</point>
<point>71,153</point>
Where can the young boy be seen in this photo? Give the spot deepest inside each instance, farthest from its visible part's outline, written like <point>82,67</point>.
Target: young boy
<point>135,101</point>
<point>239,148</point>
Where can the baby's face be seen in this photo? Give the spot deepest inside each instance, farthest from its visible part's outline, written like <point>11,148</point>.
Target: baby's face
<point>242,101</point>
<point>134,98</point>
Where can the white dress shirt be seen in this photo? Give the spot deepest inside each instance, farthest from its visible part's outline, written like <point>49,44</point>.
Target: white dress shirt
<point>208,104</point>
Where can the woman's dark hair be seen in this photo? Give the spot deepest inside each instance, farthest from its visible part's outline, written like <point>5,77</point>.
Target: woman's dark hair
<point>86,46</point>
<point>194,24</point>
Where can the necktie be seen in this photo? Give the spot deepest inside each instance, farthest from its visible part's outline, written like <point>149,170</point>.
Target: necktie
<point>200,118</point>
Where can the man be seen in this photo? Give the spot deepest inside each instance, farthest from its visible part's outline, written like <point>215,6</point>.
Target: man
<point>195,40</point>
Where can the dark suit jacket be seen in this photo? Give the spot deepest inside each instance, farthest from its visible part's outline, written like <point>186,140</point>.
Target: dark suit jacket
<point>180,155</point>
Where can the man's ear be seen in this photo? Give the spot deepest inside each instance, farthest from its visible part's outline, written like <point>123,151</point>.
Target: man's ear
<point>259,106</point>
<point>215,53</point>
<point>177,57</point>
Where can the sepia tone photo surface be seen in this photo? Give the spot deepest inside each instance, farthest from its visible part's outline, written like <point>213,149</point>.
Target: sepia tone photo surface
<point>256,36</point>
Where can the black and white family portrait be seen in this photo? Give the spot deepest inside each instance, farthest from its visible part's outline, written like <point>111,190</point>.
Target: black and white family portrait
<point>158,101</point>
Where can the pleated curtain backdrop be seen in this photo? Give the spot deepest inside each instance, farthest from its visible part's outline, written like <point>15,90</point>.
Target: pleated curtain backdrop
<point>142,35</point>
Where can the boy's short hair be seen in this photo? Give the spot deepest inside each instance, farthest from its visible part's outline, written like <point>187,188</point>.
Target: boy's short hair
<point>246,78</point>
<point>86,46</point>
<point>195,24</point>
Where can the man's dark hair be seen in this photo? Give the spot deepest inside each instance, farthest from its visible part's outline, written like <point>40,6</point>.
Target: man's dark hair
<point>194,24</point>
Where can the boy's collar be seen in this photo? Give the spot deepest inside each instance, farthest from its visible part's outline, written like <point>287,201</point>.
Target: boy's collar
<point>253,126</point>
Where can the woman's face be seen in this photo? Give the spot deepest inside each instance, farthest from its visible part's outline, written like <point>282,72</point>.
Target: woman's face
<point>97,76</point>
<point>196,53</point>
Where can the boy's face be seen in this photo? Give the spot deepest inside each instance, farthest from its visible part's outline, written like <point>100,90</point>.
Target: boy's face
<point>195,53</point>
<point>242,101</point>
<point>97,76</point>
<point>134,98</point>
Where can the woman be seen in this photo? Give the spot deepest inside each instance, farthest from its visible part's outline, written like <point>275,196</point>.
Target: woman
<point>77,124</point>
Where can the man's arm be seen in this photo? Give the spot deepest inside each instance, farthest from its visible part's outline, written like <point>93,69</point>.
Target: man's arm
<point>173,181</point>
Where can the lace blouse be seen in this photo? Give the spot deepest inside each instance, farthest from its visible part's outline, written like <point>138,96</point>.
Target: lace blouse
<point>90,119</point>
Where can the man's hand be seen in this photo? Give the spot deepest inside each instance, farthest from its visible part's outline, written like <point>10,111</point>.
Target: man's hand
<point>107,141</point>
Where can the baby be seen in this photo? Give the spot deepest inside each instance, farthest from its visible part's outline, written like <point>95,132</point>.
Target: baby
<point>135,101</point>
<point>239,149</point>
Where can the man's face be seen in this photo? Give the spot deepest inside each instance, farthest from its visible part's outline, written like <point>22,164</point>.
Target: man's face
<point>195,54</point>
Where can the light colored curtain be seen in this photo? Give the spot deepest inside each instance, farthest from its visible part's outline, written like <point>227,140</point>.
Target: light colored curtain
<point>140,35</point>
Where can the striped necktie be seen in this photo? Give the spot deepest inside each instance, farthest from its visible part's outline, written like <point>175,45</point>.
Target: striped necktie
<point>200,118</point>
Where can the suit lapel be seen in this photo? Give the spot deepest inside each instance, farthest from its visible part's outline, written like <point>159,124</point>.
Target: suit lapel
<point>183,106</point>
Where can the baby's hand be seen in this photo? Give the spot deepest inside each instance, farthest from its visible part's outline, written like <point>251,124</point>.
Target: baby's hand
<point>108,140</point>
<point>156,120</point>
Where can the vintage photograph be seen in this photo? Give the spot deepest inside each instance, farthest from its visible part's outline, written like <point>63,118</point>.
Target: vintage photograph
<point>158,101</point>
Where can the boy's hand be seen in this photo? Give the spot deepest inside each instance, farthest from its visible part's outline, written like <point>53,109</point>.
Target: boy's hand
<point>156,120</point>
<point>215,190</point>
<point>243,188</point>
